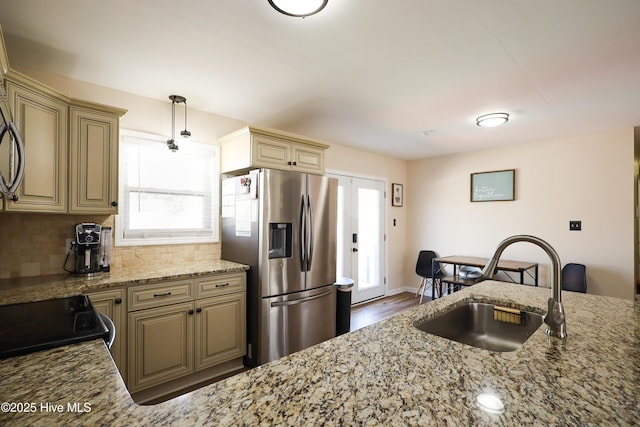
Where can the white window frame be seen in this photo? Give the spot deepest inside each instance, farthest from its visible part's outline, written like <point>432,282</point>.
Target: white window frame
<point>125,237</point>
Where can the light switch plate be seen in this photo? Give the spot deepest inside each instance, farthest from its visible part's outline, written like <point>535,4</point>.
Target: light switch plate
<point>575,225</point>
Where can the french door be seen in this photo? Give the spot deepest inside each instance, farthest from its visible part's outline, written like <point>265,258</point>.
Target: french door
<point>361,239</point>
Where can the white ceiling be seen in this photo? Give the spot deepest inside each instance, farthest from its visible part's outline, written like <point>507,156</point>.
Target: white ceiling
<point>372,74</point>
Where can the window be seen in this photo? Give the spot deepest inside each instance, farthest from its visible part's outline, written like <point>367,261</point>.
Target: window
<point>166,197</point>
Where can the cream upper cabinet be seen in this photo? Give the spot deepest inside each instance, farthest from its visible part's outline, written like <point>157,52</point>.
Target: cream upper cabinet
<point>112,304</point>
<point>41,118</point>
<point>308,159</point>
<point>71,150</point>
<point>270,152</point>
<point>93,161</point>
<point>254,147</point>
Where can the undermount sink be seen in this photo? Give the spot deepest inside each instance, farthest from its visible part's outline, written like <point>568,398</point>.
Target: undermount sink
<point>478,325</point>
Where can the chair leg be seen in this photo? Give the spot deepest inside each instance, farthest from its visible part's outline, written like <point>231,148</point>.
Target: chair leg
<point>420,288</point>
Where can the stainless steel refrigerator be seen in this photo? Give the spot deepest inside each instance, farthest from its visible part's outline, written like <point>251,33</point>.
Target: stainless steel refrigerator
<point>283,224</point>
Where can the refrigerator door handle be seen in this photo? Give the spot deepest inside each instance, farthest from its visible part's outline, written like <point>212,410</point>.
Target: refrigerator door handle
<point>301,300</point>
<point>310,240</point>
<point>303,233</point>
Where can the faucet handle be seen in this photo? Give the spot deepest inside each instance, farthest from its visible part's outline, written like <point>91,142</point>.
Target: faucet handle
<point>555,319</point>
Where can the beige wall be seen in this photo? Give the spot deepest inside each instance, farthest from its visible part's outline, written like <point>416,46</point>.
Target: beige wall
<point>588,178</point>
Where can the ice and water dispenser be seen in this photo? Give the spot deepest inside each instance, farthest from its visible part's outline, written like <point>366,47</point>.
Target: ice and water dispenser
<point>279,240</point>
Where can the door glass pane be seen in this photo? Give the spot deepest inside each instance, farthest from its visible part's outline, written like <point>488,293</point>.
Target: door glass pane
<point>368,238</point>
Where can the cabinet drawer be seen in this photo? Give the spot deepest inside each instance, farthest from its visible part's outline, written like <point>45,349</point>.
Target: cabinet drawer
<point>160,294</point>
<point>220,284</point>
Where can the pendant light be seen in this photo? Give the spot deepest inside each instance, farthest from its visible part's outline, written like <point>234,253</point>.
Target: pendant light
<point>177,99</point>
<point>298,8</point>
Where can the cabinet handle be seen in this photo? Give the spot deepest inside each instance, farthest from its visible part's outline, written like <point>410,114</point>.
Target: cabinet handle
<point>162,295</point>
<point>222,285</point>
<point>118,301</point>
<point>190,312</point>
<point>114,203</point>
<point>289,163</point>
<point>199,310</point>
<point>295,163</point>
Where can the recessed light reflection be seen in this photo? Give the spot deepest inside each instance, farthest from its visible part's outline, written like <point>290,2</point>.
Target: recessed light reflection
<point>490,403</point>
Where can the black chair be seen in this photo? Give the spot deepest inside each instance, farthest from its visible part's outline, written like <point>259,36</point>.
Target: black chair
<point>574,278</point>
<point>424,267</point>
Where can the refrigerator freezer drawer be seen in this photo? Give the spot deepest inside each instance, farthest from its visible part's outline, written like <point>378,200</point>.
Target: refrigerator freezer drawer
<point>296,321</point>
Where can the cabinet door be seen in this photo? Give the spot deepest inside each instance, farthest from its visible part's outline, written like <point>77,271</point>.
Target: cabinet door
<point>308,159</point>
<point>42,122</point>
<point>270,153</point>
<point>160,345</point>
<point>220,329</point>
<point>93,162</point>
<point>111,304</point>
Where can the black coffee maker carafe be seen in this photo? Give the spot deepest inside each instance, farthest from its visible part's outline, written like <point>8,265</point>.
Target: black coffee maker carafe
<point>87,248</point>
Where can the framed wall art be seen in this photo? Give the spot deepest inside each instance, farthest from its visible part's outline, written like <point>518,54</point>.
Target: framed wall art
<point>493,186</point>
<point>396,195</point>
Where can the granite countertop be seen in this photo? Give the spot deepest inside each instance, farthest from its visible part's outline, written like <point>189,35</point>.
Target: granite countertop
<point>58,286</point>
<point>389,373</point>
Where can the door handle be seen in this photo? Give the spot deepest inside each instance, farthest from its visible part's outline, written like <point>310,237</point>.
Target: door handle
<point>300,301</point>
<point>302,236</point>
<point>310,226</point>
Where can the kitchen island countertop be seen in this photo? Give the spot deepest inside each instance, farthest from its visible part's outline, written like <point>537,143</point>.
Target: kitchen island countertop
<point>388,373</point>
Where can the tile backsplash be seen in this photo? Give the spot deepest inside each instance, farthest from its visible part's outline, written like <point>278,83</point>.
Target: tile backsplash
<point>34,245</point>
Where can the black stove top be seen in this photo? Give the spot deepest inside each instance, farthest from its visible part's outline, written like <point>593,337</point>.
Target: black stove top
<point>35,326</point>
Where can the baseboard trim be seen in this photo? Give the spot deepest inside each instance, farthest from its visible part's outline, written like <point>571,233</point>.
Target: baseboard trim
<point>155,393</point>
<point>388,293</point>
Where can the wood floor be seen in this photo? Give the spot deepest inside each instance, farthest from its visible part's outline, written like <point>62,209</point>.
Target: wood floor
<point>377,310</point>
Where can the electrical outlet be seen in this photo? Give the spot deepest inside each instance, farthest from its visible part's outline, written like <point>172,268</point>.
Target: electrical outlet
<point>575,225</point>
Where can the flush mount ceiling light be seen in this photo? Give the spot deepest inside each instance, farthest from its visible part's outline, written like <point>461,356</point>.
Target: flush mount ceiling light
<point>177,99</point>
<point>298,8</point>
<point>492,120</point>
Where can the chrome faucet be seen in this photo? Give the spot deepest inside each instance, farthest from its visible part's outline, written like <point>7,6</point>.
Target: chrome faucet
<point>555,318</point>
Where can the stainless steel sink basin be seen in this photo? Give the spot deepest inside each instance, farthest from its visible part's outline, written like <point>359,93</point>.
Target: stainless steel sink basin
<point>475,324</point>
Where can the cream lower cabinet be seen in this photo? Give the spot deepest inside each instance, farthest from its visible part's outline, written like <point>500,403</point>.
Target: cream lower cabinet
<point>220,329</point>
<point>160,345</point>
<point>112,304</point>
<point>195,324</point>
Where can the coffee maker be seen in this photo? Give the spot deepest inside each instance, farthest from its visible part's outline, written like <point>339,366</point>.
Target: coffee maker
<point>87,248</point>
